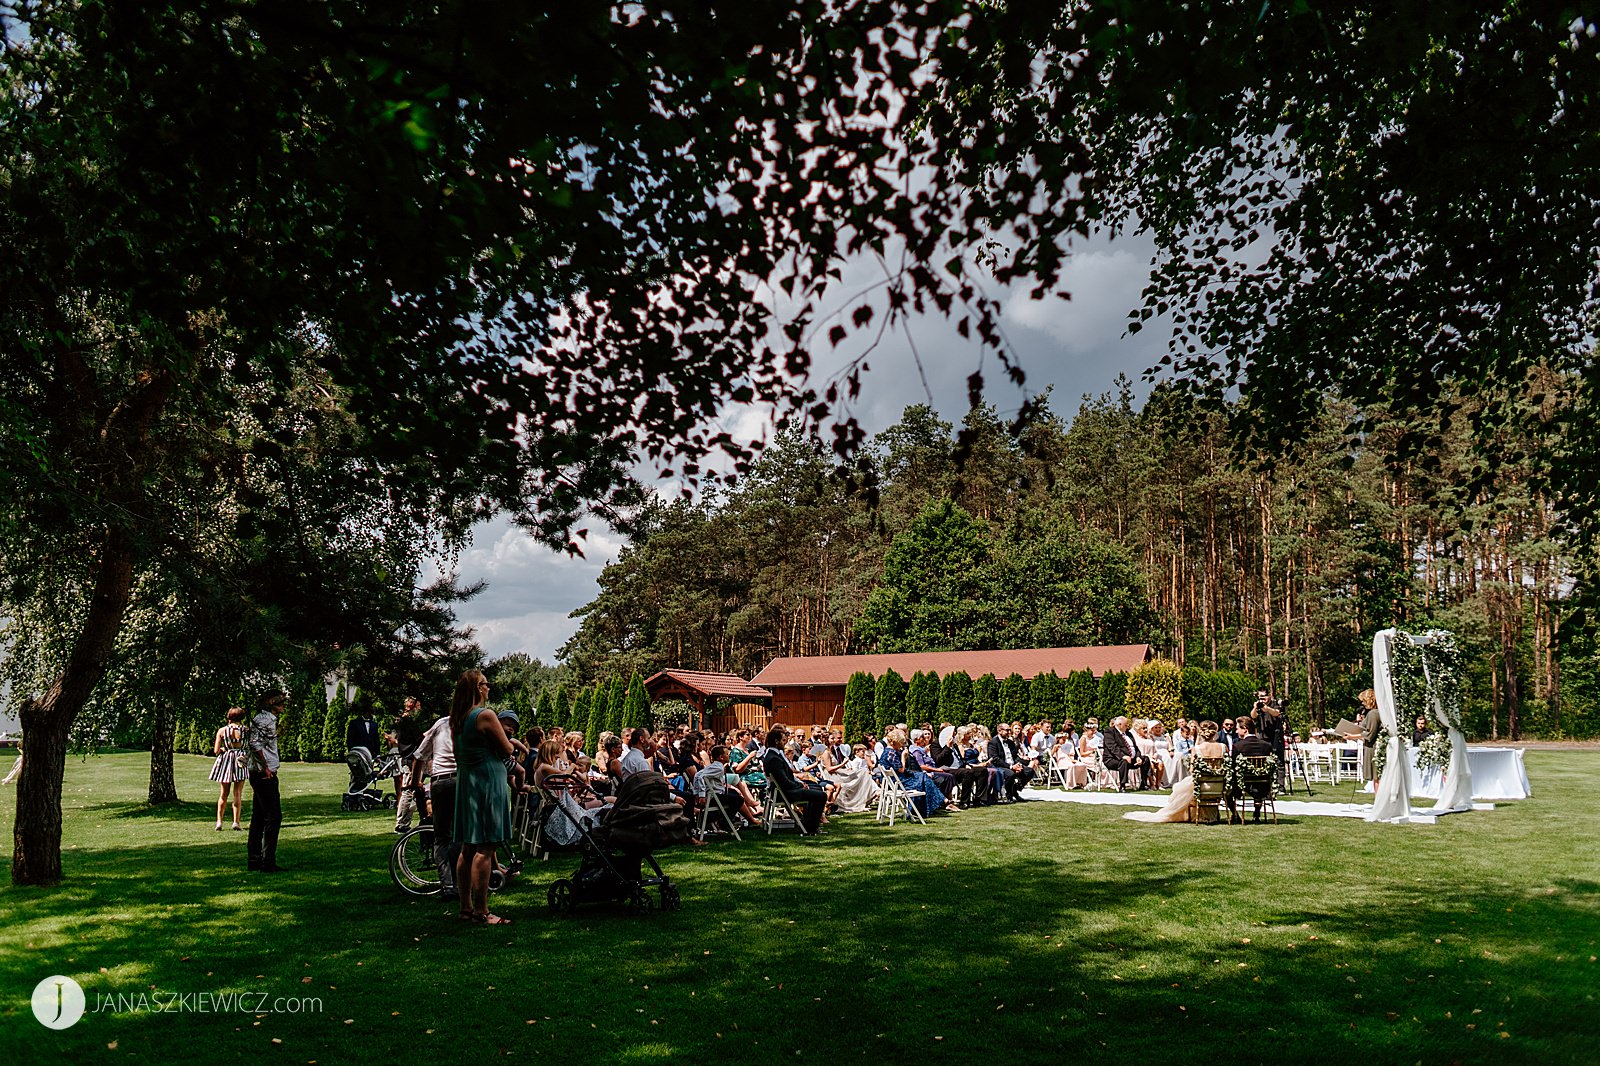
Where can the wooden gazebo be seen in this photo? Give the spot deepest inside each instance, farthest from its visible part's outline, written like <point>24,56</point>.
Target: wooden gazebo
<point>697,688</point>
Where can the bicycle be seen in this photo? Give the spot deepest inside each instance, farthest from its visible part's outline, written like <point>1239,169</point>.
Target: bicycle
<point>412,868</point>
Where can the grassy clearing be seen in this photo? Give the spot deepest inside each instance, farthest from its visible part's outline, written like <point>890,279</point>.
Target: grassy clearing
<point>1044,927</point>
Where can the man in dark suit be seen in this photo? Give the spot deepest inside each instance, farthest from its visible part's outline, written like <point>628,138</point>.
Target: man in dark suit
<point>780,775</point>
<point>1005,757</point>
<point>1249,746</point>
<point>972,780</point>
<point>1228,738</point>
<point>1121,753</point>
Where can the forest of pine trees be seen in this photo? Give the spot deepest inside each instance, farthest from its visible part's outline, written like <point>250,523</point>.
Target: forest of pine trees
<point>1126,523</point>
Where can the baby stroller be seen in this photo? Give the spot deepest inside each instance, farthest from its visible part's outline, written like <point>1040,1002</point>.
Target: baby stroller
<point>614,853</point>
<point>366,770</point>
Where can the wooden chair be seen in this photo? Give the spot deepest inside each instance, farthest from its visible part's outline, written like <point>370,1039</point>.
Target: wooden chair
<point>1210,788</point>
<point>1258,783</point>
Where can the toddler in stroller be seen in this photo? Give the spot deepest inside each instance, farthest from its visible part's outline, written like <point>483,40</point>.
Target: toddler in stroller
<point>643,818</point>
<point>365,771</point>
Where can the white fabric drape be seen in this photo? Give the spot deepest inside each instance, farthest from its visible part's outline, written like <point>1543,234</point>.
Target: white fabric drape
<point>1392,803</point>
<point>1456,795</point>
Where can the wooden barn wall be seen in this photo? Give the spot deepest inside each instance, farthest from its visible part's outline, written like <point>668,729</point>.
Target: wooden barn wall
<point>808,705</point>
<point>740,716</point>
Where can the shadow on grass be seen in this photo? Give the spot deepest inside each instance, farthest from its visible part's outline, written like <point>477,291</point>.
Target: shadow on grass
<point>879,939</point>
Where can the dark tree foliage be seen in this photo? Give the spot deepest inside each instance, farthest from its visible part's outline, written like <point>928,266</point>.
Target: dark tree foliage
<point>1396,203</point>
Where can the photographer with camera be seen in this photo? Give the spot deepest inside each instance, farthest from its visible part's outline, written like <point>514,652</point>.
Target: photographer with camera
<point>1269,715</point>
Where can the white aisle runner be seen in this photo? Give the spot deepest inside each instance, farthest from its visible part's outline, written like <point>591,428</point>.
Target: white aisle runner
<point>1295,807</point>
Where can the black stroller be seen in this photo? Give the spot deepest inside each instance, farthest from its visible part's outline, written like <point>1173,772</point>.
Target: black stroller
<point>614,853</point>
<point>366,770</point>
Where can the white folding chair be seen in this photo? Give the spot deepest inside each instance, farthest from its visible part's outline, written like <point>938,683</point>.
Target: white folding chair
<point>774,804</point>
<point>709,786</point>
<point>1099,776</point>
<point>897,801</point>
<point>1348,761</point>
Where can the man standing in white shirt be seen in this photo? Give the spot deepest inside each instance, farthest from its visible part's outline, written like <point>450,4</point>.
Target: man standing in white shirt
<point>435,759</point>
<point>266,800</point>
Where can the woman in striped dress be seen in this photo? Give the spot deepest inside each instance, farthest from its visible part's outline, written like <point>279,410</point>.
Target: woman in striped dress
<point>230,769</point>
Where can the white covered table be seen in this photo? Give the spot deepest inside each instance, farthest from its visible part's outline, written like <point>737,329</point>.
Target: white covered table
<point>1497,774</point>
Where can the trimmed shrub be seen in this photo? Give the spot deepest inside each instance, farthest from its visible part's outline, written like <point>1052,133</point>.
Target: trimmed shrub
<point>955,698</point>
<point>1079,696</point>
<point>331,748</point>
<point>636,706</point>
<point>889,701</point>
<point>563,710</point>
<point>1113,687</point>
<point>580,719</point>
<point>859,694</point>
<point>1047,698</point>
<point>922,699</point>
<point>1014,699</point>
<point>1155,690</point>
<point>599,712</point>
<point>986,702</point>
<point>544,713</point>
<point>616,706</point>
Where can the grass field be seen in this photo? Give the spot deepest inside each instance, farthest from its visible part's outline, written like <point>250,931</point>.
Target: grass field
<point>1043,929</point>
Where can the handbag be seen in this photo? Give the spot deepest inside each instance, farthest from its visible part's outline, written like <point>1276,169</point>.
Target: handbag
<point>239,761</point>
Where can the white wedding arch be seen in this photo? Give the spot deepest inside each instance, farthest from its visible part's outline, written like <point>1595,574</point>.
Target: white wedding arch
<point>1418,675</point>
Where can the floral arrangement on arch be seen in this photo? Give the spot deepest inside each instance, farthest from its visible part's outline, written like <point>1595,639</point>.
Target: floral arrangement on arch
<point>1426,676</point>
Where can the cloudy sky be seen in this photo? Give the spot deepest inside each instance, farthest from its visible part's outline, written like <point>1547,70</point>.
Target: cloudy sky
<point>1078,346</point>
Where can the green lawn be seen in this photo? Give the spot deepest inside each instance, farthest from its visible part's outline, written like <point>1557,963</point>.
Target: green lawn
<point>1036,930</point>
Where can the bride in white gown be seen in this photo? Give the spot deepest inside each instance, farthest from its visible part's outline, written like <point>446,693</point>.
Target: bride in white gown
<point>1178,808</point>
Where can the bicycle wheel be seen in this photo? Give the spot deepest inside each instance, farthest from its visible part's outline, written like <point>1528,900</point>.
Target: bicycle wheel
<point>411,863</point>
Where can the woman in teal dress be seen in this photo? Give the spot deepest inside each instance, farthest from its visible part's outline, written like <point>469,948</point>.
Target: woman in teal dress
<point>483,793</point>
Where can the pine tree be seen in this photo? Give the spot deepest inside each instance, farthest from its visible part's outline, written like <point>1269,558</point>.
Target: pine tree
<point>986,702</point>
<point>955,698</point>
<point>1079,696</point>
<point>1014,698</point>
<point>563,710</point>
<point>858,706</point>
<point>922,699</point>
<point>888,701</point>
<point>636,708</point>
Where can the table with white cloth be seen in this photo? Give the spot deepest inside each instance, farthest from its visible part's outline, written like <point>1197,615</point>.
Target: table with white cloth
<point>1497,774</point>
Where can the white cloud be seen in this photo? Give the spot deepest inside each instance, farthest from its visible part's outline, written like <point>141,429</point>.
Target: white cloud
<point>1075,345</point>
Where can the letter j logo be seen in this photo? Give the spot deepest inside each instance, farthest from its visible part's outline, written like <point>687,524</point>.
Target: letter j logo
<point>58,1002</point>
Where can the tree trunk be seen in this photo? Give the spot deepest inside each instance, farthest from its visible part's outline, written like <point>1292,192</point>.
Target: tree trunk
<point>46,723</point>
<point>163,786</point>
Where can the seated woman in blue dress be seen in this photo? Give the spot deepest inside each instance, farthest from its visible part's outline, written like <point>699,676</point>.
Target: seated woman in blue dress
<point>895,760</point>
